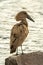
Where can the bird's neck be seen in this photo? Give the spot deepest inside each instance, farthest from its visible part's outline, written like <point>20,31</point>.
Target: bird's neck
<point>24,22</point>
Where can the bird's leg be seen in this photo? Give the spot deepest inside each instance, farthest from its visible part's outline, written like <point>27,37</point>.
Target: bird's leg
<point>21,49</point>
<point>17,51</point>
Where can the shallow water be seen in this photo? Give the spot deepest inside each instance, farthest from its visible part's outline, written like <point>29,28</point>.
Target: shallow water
<point>8,10</point>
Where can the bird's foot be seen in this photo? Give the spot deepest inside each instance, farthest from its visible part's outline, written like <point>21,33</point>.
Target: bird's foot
<point>22,53</point>
<point>16,53</point>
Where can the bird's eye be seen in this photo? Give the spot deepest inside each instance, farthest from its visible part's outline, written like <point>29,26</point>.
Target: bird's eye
<point>24,12</point>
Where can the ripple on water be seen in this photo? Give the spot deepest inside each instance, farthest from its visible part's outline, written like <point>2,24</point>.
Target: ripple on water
<point>5,38</point>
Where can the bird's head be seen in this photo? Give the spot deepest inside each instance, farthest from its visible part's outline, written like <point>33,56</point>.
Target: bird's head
<point>22,15</point>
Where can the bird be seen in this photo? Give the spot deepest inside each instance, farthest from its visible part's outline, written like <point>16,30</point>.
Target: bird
<point>19,31</point>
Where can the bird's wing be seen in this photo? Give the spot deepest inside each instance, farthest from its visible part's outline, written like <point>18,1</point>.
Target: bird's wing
<point>16,32</point>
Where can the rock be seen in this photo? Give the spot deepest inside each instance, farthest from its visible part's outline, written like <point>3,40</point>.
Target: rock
<point>35,58</point>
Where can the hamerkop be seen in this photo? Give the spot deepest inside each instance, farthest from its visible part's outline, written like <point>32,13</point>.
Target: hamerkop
<point>19,31</point>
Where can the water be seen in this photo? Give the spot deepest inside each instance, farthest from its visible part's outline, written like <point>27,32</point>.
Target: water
<point>8,10</point>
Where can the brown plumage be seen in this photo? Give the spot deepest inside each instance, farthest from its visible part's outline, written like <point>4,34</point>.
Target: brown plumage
<point>19,31</point>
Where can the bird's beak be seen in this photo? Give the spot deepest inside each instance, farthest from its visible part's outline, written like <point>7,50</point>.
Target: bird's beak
<point>28,16</point>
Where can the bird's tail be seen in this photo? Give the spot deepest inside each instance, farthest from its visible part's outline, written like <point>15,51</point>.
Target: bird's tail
<point>12,49</point>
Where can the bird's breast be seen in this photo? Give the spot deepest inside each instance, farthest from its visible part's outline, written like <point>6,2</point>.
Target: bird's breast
<point>24,32</point>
